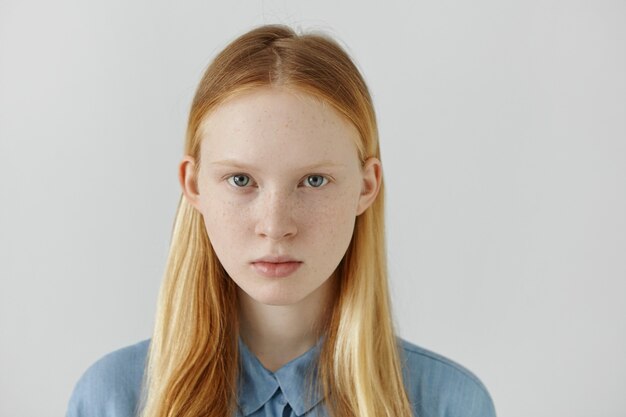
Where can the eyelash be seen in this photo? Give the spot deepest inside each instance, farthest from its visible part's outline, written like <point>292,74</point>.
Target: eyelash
<point>326,178</point>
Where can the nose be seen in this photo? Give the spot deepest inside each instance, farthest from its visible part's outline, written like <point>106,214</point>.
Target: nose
<point>275,219</point>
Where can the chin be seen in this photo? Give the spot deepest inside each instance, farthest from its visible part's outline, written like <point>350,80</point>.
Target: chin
<point>275,297</point>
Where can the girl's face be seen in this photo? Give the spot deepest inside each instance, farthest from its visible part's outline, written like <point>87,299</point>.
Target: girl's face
<point>279,177</point>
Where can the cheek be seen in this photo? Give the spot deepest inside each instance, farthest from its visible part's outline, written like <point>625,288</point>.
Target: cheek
<point>330,224</point>
<point>226,224</point>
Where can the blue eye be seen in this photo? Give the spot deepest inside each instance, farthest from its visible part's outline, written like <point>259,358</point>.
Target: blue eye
<point>239,180</point>
<point>243,180</point>
<point>316,181</point>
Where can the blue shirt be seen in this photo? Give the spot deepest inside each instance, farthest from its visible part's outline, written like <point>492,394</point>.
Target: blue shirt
<point>436,386</point>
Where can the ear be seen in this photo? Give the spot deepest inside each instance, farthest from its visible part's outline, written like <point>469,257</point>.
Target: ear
<point>188,180</point>
<point>372,179</point>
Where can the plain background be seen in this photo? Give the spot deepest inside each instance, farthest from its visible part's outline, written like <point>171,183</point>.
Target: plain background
<point>503,135</point>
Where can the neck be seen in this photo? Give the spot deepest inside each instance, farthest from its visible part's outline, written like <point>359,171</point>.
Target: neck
<point>277,334</point>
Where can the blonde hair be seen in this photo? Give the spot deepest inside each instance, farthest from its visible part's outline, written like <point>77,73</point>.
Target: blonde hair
<point>192,360</point>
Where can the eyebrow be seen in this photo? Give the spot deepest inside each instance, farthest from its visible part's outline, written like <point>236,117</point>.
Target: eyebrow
<point>243,165</point>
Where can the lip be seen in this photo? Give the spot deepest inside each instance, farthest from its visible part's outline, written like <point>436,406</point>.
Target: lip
<point>275,269</point>
<point>276,259</point>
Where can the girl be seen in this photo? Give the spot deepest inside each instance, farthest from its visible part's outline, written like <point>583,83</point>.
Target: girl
<point>275,300</point>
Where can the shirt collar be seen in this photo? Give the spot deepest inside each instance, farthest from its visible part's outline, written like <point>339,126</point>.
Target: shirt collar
<point>257,384</point>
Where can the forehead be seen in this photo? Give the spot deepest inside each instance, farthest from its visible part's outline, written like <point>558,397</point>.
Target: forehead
<point>278,126</point>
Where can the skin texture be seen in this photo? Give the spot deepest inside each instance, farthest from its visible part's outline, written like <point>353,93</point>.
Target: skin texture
<point>273,207</point>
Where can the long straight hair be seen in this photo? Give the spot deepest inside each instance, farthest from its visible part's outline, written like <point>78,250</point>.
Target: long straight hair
<point>191,369</point>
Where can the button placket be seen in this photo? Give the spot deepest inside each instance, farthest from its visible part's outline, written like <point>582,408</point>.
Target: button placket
<point>281,398</point>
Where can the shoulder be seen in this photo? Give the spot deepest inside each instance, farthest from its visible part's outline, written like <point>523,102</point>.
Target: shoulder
<point>111,386</point>
<point>439,387</point>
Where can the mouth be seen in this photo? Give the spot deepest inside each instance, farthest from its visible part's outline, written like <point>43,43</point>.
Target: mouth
<point>276,269</point>
<point>276,259</point>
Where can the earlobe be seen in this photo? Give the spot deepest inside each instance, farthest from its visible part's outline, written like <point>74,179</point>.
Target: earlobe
<point>188,180</point>
<point>372,179</point>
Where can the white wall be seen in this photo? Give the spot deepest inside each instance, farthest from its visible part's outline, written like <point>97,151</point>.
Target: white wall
<point>504,146</point>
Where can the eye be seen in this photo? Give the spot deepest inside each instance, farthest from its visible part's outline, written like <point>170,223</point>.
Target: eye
<point>315,181</point>
<point>239,180</point>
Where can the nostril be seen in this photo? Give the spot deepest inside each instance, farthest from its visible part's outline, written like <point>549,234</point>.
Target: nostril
<point>275,228</point>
